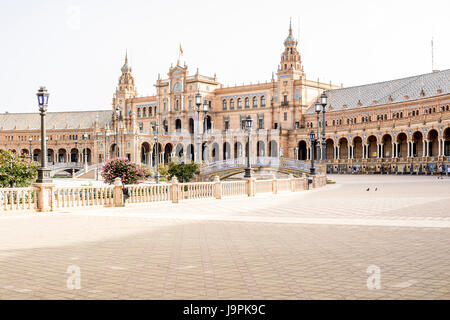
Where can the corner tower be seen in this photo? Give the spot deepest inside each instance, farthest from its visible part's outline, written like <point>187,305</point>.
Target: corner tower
<point>291,63</point>
<point>125,90</point>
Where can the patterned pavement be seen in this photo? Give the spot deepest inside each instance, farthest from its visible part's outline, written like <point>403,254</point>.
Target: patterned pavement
<point>341,242</point>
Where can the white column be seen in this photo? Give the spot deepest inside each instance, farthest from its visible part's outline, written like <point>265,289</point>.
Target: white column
<point>382,151</point>
<point>349,156</point>
<point>409,149</point>
<point>440,147</point>
<point>424,148</point>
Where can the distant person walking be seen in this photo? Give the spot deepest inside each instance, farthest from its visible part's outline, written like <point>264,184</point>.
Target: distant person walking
<point>441,172</point>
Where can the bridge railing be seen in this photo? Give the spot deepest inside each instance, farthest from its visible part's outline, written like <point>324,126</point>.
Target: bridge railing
<point>241,162</point>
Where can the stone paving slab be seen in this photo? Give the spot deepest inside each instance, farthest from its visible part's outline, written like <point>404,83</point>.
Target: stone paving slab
<point>310,245</point>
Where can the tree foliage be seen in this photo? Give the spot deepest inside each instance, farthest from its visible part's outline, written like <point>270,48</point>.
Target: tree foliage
<point>183,172</point>
<point>16,170</point>
<point>128,172</point>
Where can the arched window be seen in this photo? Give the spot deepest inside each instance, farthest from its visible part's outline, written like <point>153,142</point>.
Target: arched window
<point>263,101</point>
<point>144,112</point>
<point>138,112</point>
<point>247,102</point>
<point>231,104</point>
<point>239,105</point>
<point>255,102</point>
<point>224,103</point>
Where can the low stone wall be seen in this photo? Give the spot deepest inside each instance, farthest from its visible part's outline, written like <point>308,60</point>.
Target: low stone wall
<point>48,197</point>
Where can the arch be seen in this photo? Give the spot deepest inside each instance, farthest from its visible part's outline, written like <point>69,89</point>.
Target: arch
<point>113,151</point>
<point>357,147</point>
<point>179,150</point>
<point>157,150</point>
<point>205,152</point>
<point>446,137</point>
<point>62,156</point>
<point>263,101</point>
<point>372,146</point>
<point>190,152</point>
<point>224,104</point>
<point>402,141</point>
<point>25,152</point>
<point>208,123</point>
<point>145,153</point>
<point>433,144</point>
<point>178,125</point>
<point>302,150</point>
<point>273,149</point>
<point>166,126</point>
<point>168,152</point>
<point>417,139</point>
<point>329,149</point>
<point>343,148</point>
<point>386,141</point>
<point>50,156</point>
<point>231,104</point>
<point>74,155</point>
<point>87,152</point>
<point>215,152</point>
<point>255,102</point>
<point>260,149</point>
<point>37,155</point>
<point>191,126</point>
<point>226,151</point>
<point>238,150</point>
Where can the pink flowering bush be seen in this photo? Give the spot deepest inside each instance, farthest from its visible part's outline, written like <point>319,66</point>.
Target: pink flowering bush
<point>128,172</point>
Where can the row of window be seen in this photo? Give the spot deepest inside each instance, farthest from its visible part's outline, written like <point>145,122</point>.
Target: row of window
<point>382,117</point>
<point>262,101</point>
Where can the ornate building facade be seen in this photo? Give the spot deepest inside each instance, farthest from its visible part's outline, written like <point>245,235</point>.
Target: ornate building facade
<point>399,125</point>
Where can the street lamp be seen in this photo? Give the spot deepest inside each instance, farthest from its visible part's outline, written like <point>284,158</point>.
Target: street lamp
<point>156,153</point>
<point>248,127</point>
<point>85,137</point>
<point>117,130</point>
<point>11,161</point>
<point>198,103</point>
<point>312,137</point>
<point>43,171</point>
<point>323,102</point>
<point>30,140</point>
<point>318,109</point>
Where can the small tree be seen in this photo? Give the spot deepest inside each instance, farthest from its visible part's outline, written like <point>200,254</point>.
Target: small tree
<point>183,172</point>
<point>16,170</point>
<point>128,172</point>
<point>163,170</point>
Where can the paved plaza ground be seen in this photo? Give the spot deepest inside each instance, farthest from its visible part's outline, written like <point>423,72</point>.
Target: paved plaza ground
<point>309,245</point>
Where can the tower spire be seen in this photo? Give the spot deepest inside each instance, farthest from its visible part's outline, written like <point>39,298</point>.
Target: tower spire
<point>290,26</point>
<point>126,56</point>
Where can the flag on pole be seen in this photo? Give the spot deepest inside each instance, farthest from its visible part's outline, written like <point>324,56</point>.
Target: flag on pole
<point>181,49</point>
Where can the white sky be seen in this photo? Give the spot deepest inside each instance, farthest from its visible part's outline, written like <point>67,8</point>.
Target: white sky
<point>76,48</point>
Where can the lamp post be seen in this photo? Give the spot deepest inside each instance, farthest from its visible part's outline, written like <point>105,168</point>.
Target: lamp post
<point>198,103</point>
<point>11,161</point>
<point>318,109</point>
<point>43,171</point>
<point>248,127</point>
<point>117,131</point>
<point>85,137</point>
<point>30,140</point>
<point>312,137</point>
<point>156,153</point>
<point>323,102</point>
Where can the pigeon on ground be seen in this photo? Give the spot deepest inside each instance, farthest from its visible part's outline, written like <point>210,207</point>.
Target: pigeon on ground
<point>368,189</point>
<point>376,189</point>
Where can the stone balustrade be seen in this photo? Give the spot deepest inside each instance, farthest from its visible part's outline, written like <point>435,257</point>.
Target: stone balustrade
<point>17,199</point>
<point>48,197</point>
